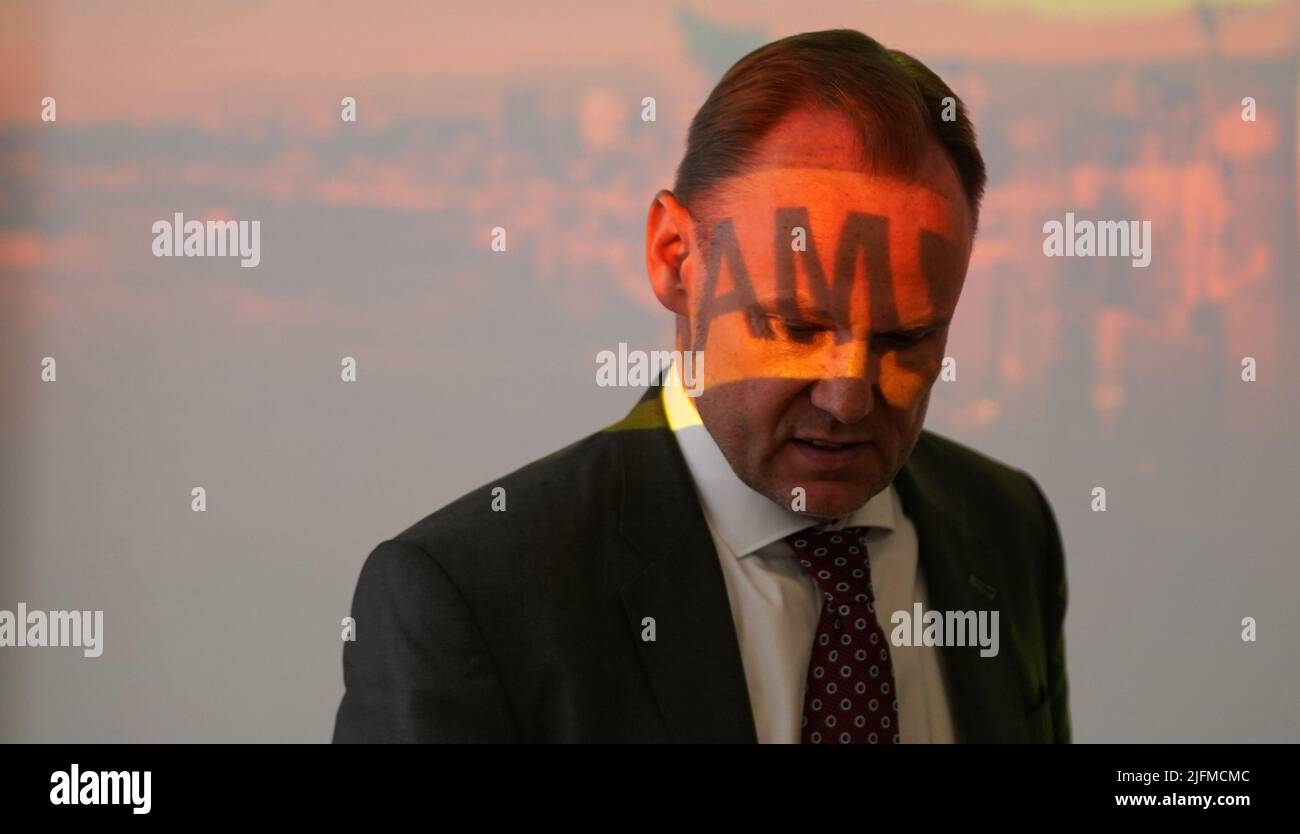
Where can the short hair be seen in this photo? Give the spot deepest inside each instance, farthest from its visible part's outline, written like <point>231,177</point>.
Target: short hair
<point>895,102</point>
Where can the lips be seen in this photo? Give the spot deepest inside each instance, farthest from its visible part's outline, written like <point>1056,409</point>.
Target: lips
<point>822,443</point>
<point>827,444</point>
<point>829,453</point>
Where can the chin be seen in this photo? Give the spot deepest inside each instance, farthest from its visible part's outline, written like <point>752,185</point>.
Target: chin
<point>833,499</point>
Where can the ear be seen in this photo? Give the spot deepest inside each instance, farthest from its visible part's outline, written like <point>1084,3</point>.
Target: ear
<point>670,251</point>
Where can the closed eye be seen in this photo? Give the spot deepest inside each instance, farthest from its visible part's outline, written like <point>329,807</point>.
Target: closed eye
<point>799,331</point>
<point>903,338</point>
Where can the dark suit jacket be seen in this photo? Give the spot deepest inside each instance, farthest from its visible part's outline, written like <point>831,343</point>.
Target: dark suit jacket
<point>525,625</point>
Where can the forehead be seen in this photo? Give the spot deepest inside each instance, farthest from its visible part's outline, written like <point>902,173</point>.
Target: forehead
<point>934,204</point>
<point>917,232</point>
<point>814,156</point>
<point>809,171</point>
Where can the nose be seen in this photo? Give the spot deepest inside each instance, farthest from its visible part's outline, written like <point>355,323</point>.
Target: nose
<point>844,391</point>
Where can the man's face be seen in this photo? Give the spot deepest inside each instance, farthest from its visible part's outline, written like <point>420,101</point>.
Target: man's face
<point>820,379</point>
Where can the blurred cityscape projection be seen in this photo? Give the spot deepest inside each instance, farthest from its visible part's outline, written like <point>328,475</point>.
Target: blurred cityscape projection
<point>374,243</point>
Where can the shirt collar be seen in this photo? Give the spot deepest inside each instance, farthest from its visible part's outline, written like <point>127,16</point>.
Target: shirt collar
<point>743,518</point>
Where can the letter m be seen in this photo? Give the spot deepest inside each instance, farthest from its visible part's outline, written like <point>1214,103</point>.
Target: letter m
<point>1111,235</point>
<point>223,237</point>
<point>865,233</point>
<point>115,784</point>
<point>65,628</point>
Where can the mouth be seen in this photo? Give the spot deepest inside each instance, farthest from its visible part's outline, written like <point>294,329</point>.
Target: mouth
<point>829,453</point>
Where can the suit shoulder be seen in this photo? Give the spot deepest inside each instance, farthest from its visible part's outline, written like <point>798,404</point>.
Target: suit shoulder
<point>993,489</point>
<point>964,459</point>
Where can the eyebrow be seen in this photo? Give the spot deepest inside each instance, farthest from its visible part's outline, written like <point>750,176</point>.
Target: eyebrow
<point>816,313</point>
<point>926,323</point>
<point>781,306</point>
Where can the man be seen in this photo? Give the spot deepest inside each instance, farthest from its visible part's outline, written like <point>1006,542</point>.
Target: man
<point>742,566</point>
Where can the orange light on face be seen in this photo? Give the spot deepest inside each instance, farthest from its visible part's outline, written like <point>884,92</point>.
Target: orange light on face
<point>821,302</point>
<point>836,256</point>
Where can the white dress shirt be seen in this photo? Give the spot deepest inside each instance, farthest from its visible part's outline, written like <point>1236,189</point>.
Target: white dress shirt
<point>776,607</point>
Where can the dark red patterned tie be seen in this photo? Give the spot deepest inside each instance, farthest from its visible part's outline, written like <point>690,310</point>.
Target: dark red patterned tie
<point>850,696</point>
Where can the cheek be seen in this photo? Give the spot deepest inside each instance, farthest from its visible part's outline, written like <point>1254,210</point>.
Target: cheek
<point>748,412</point>
<point>905,383</point>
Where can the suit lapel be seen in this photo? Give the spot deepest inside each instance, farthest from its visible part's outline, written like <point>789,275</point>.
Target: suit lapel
<point>962,574</point>
<point>670,573</point>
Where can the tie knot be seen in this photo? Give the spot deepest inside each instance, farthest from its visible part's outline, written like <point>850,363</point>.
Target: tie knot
<point>836,560</point>
<point>819,543</point>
